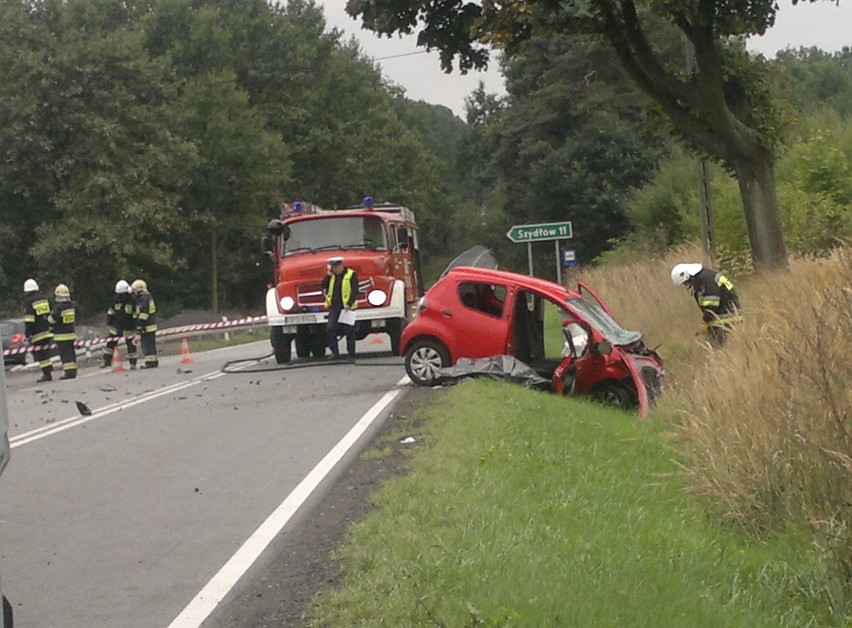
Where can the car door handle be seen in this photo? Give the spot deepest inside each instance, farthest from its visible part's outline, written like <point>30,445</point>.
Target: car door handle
<point>447,313</point>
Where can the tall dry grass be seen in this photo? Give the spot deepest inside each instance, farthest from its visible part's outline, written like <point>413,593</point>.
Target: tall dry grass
<point>763,424</point>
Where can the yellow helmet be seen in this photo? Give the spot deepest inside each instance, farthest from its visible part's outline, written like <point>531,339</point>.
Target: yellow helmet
<point>62,292</point>
<point>139,286</point>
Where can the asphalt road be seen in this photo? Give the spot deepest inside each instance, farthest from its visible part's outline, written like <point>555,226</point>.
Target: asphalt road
<point>150,510</point>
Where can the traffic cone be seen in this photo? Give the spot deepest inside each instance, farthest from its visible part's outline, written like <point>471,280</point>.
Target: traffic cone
<point>184,352</point>
<point>377,340</point>
<point>117,366</point>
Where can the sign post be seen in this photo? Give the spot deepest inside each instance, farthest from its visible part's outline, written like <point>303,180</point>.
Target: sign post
<point>542,232</point>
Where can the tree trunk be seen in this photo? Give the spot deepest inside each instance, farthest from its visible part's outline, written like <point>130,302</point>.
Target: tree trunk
<point>214,272</point>
<point>756,178</point>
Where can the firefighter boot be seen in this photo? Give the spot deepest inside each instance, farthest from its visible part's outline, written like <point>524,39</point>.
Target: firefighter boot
<point>132,364</point>
<point>107,362</point>
<point>69,374</point>
<point>46,374</point>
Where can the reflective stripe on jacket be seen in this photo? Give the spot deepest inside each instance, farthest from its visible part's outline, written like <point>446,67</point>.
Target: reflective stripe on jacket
<point>345,289</point>
<point>36,315</point>
<point>146,310</point>
<point>62,319</point>
<point>715,295</point>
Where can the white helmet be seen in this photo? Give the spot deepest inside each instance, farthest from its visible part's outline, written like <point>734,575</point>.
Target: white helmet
<point>62,292</point>
<point>121,287</point>
<point>30,285</point>
<point>682,272</point>
<point>139,285</point>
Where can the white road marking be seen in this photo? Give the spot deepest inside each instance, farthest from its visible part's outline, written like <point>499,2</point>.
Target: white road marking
<point>65,424</point>
<point>199,609</point>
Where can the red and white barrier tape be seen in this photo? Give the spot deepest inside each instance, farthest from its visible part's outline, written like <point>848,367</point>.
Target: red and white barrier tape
<point>161,333</point>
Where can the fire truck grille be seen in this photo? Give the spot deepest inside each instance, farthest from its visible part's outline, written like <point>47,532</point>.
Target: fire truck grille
<point>310,294</point>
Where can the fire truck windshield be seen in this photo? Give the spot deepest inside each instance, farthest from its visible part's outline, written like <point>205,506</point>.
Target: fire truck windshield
<point>344,232</point>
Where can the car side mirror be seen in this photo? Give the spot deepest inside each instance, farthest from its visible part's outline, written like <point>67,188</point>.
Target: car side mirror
<point>267,243</point>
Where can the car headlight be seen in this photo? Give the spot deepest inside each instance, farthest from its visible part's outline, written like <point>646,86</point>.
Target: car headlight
<point>287,303</point>
<point>376,297</point>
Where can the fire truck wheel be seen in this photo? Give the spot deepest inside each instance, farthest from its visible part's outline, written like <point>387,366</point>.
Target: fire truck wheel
<point>280,344</point>
<point>319,345</point>
<point>303,343</point>
<point>423,358</point>
<point>616,394</point>
<point>394,329</point>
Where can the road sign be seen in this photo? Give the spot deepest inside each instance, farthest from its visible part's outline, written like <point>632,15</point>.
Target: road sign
<point>569,257</point>
<point>540,232</point>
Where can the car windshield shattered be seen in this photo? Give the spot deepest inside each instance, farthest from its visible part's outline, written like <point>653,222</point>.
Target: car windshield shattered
<point>595,315</point>
<point>336,233</point>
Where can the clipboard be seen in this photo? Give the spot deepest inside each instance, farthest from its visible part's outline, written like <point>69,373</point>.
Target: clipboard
<point>347,317</point>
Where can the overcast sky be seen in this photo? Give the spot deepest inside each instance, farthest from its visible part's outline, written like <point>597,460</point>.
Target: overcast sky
<point>823,24</point>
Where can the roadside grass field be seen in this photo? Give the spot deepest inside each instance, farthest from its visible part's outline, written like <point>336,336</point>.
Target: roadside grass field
<point>521,508</point>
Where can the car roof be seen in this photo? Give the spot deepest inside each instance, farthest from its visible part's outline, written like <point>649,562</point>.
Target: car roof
<point>503,276</point>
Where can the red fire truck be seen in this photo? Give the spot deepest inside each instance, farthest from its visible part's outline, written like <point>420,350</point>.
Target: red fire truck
<point>378,241</point>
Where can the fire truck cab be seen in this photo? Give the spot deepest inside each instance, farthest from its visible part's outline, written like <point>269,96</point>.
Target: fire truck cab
<point>379,242</point>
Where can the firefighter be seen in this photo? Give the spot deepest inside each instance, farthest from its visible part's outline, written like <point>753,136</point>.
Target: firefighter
<point>37,328</point>
<point>715,295</point>
<point>62,320</point>
<point>121,323</point>
<point>146,323</point>
<point>340,287</point>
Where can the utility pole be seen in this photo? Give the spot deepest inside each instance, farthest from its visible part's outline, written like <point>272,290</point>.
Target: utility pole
<point>702,173</point>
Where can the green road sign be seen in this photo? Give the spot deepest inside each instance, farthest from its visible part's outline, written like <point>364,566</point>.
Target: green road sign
<point>540,232</point>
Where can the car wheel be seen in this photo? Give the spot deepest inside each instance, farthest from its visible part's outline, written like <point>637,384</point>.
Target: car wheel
<point>394,329</point>
<point>7,613</point>
<point>303,343</point>
<point>616,394</point>
<point>423,359</point>
<point>280,344</point>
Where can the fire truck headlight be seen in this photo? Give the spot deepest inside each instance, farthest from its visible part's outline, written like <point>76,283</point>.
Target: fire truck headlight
<point>287,303</point>
<point>376,297</point>
<point>421,304</point>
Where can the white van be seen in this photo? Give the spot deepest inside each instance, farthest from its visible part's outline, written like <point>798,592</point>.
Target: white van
<point>6,619</point>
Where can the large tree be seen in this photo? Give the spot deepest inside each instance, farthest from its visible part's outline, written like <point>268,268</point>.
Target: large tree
<point>719,102</point>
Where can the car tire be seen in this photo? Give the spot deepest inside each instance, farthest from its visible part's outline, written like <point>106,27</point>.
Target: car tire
<point>423,358</point>
<point>8,619</point>
<point>303,343</point>
<point>394,329</point>
<point>615,394</point>
<point>280,344</point>
<point>319,343</point>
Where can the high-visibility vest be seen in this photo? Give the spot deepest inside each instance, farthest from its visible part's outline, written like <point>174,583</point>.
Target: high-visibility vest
<point>345,289</point>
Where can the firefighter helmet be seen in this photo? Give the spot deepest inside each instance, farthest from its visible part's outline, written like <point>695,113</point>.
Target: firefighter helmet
<point>681,273</point>
<point>121,287</point>
<point>30,285</point>
<point>140,286</point>
<point>62,292</point>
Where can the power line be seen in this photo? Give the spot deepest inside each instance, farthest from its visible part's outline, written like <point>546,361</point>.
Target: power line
<point>406,54</point>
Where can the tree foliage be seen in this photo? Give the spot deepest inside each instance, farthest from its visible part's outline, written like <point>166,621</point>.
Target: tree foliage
<point>720,103</point>
<point>156,138</point>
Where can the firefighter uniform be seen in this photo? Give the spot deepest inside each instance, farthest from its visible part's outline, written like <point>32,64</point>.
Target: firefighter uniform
<point>37,328</point>
<point>121,323</point>
<point>715,295</point>
<point>62,320</point>
<point>146,323</point>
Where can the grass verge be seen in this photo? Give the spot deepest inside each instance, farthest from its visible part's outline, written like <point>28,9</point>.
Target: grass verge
<point>525,509</point>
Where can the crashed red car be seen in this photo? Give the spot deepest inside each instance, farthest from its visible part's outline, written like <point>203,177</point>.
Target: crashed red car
<point>476,313</point>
